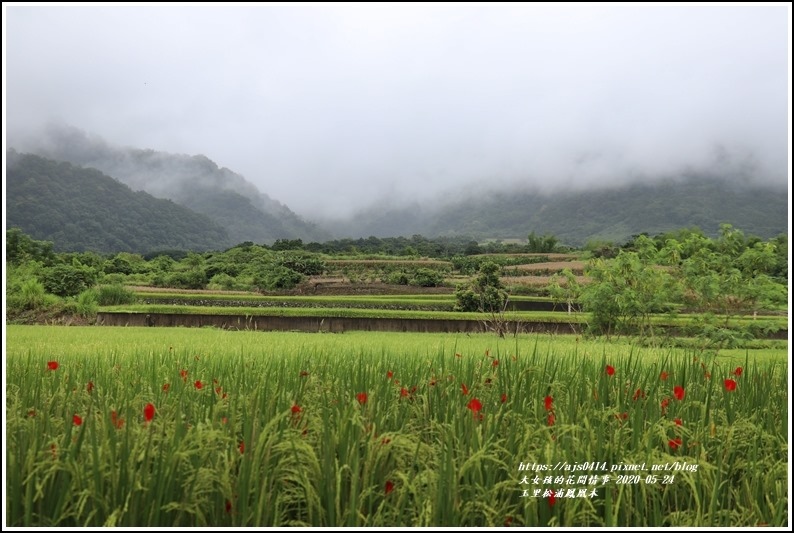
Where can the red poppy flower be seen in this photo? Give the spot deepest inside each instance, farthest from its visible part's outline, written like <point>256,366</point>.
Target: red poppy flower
<point>224,420</point>
<point>551,419</point>
<point>610,370</point>
<point>464,388</point>
<point>547,402</point>
<point>508,521</point>
<point>389,374</point>
<point>361,397</point>
<point>639,393</point>
<point>166,386</point>
<point>198,384</point>
<point>413,389</point>
<point>218,390</point>
<point>90,386</point>
<point>707,375</point>
<point>389,487</point>
<point>678,422</point>
<point>296,409</point>
<point>32,412</point>
<point>664,404</point>
<point>730,385</point>
<point>552,499</point>
<point>77,420</point>
<point>675,443</point>
<point>678,392</point>
<point>228,506</point>
<point>241,446</point>
<point>663,375</point>
<point>304,373</point>
<point>404,392</point>
<point>148,412</point>
<point>504,397</point>
<point>622,416</point>
<point>738,371</point>
<point>183,374</point>
<point>475,405</point>
<point>52,365</point>
<point>495,362</point>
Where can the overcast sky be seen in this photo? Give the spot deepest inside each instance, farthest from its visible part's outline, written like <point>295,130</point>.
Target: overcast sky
<point>328,108</point>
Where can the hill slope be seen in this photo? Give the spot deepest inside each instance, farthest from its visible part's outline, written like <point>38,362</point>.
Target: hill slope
<point>81,209</point>
<point>195,182</point>
<point>575,217</point>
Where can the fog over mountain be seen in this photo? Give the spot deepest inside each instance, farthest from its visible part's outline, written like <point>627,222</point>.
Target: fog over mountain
<point>331,109</point>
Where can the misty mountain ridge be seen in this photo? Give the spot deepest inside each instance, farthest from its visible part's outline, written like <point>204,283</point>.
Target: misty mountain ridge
<point>80,209</point>
<point>195,182</point>
<point>611,213</point>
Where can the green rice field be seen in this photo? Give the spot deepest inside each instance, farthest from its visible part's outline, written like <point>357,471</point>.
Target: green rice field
<point>156,427</point>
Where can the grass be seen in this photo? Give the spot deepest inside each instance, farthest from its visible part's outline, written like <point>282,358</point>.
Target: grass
<point>414,458</point>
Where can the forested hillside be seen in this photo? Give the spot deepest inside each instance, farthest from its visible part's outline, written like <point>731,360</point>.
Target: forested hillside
<point>608,214</point>
<point>81,209</point>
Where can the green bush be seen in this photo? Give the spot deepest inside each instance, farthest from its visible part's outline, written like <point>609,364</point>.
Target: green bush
<point>87,303</point>
<point>114,295</point>
<point>277,277</point>
<point>68,279</point>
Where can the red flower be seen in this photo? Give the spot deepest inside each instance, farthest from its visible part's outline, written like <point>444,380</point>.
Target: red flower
<point>198,384</point>
<point>738,371</point>
<point>665,403</point>
<point>622,416</point>
<point>465,389</point>
<point>361,397</point>
<point>389,487</point>
<point>639,393</point>
<point>389,374</point>
<point>117,422</point>
<point>432,382</point>
<point>547,401</point>
<point>241,446</point>
<point>678,392</point>
<point>610,370</point>
<point>674,443</point>
<point>228,506</point>
<point>183,373</point>
<point>663,375</point>
<point>551,419</point>
<point>77,420</point>
<point>730,385</point>
<point>304,373</point>
<point>404,392</point>
<point>495,362</point>
<point>296,409</point>
<point>552,499</point>
<point>707,375</point>
<point>148,412</point>
<point>413,389</point>
<point>474,405</point>
<point>504,397</point>
<point>508,521</point>
<point>678,422</point>
<point>90,386</point>
<point>224,420</point>
<point>32,412</point>
<point>52,365</point>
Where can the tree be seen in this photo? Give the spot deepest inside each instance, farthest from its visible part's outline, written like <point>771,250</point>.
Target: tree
<point>543,245</point>
<point>485,293</point>
<point>626,291</point>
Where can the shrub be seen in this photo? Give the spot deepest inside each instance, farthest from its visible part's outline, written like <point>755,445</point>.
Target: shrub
<point>114,295</point>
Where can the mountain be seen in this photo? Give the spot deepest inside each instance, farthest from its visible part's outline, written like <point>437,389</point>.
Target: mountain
<point>609,214</point>
<point>81,209</point>
<point>195,182</point>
